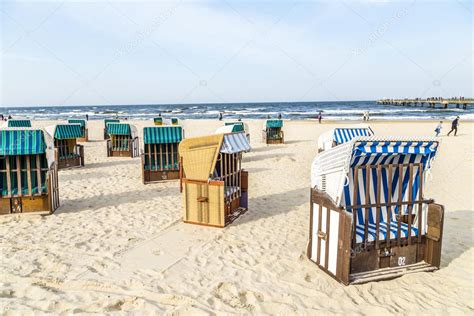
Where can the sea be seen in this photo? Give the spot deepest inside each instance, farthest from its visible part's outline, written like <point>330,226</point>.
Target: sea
<point>347,110</point>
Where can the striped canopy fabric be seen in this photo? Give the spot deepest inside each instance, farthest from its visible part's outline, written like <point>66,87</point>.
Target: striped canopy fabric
<point>75,121</point>
<point>19,123</point>
<point>162,135</point>
<point>68,131</point>
<point>389,155</point>
<point>107,121</point>
<point>21,142</point>
<point>234,143</point>
<point>118,129</point>
<point>237,126</point>
<point>274,123</point>
<point>344,135</point>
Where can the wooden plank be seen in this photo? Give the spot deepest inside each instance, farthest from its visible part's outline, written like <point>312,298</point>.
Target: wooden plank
<point>18,176</point>
<point>320,216</point>
<point>399,214</point>
<point>38,173</point>
<point>367,199</point>
<point>420,205</point>
<point>172,156</point>
<point>28,170</point>
<point>328,231</point>
<point>167,156</point>
<point>410,206</point>
<point>354,211</point>
<point>149,159</point>
<point>378,209</point>
<point>311,211</point>
<point>9,182</point>
<point>161,157</point>
<point>389,207</point>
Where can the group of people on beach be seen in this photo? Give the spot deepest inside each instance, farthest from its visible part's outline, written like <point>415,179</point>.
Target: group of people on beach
<point>454,127</point>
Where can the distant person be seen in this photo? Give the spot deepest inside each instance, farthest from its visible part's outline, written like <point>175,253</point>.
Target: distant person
<point>159,114</point>
<point>1,117</point>
<point>87,117</point>
<point>240,119</point>
<point>320,117</point>
<point>220,116</point>
<point>454,126</point>
<point>438,128</point>
<point>279,116</point>
<point>9,117</point>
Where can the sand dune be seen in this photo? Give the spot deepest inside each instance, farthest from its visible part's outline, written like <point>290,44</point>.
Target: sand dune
<point>116,245</point>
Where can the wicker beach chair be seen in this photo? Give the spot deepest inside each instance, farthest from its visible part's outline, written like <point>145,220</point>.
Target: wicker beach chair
<point>69,153</point>
<point>174,121</point>
<point>123,140</point>
<point>84,129</point>
<point>28,172</point>
<point>341,135</point>
<point>215,185</point>
<point>369,219</point>
<point>273,133</point>
<point>234,127</point>
<point>158,121</point>
<point>160,159</point>
<point>106,122</point>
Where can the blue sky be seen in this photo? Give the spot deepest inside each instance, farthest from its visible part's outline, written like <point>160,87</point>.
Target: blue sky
<point>136,52</point>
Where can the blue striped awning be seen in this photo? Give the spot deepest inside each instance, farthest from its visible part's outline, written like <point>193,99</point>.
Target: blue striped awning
<point>118,129</point>
<point>343,135</point>
<point>68,131</point>
<point>19,123</point>
<point>387,155</point>
<point>22,142</point>
<point>162,135</point>
<point>234,143</point>
<point>75,121</point>
<point>274,123</point>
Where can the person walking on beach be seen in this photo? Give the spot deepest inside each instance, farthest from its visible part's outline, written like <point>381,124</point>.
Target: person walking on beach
<point>87,117</point>
<point>320,117</point>
<point>220,116</point>
<point>454,126</point>
<point>438,128</point>
<point>279,116</point>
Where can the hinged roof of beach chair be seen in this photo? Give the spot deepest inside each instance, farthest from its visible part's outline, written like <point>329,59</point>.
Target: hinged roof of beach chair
<point>338,162</point>
<point>341,135</point>
<point>65,131</point>
<point>174,120</point>
<point>162,134</point>
<point>121,129</point>
<point>274,124</point>
<point>77,121</point>
<point>107,121</point>
<point>26,141</point>
<point>158,119</point>
<point>200,153</point>
<point>19,123</point>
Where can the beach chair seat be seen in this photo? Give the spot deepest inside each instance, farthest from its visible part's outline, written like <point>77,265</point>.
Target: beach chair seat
<point>230,190</point>
<point>372,231</point>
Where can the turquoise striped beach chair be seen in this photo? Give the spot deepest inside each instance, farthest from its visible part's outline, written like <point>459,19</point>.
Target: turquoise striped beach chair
<point>273,133</point>
<point>106,122</point>
<point>69,153</point>
<point>234,127</point>
<point>369,218</point>
<point>160,159</point>
<point>28,172</point>
<point>19,123</point>
<point>84,129</point>
<point>123,141</point>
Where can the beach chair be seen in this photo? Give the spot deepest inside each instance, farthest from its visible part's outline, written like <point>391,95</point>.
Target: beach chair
<point>18,123</point>
<point>215,185</point>
<point>69,153</point>
<point>369,218</point>
<point>158,121</point>
<point>85,132</point>
<point>123,140</point>
<point>28,172</point>
<point>107,121</point>
<point>174,121</point>
<point>272,132</point>
<point>234,127</point>
<point>341,135</point>
<point>160,159</point>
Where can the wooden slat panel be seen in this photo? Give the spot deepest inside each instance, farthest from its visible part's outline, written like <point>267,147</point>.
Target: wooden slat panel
<point>28,170</point>
<point>354,211</point>
<point>378,209</point>
<point>18,176</point>
<point>9,182</point>
<point>161,157</point>
<point>410,206</point>
<point>320,215</point>
<point>389,207</point>
<point>38,173</point>
<point>399,214</point>
<point>328,231</point>
<point>420,205</point>
<point>367,199</point>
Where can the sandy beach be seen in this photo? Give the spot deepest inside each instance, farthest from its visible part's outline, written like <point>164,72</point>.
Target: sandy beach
<point>116,245</point>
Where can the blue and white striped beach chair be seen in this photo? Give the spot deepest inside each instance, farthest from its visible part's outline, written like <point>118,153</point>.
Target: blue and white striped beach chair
<point>341,135</point>
<point>369,217</point>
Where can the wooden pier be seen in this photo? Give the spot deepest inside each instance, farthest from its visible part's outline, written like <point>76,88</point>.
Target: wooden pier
<point>437,103</point>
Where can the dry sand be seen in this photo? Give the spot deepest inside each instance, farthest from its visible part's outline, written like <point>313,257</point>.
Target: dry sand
<point>116,245</point>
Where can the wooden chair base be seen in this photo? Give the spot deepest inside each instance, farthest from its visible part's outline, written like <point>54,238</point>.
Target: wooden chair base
<point>38,205</point>
<point>159,176</point>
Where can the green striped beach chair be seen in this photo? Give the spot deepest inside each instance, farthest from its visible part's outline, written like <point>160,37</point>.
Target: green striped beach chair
<point>107,121</point>
<point>369,218</point>
<point>160,159</point>
<point>69,153</point>
<point>19,123</point>
<point>123,141</point>
<point>272,132</point>
<point>28,172</point>
<point>83,124</point>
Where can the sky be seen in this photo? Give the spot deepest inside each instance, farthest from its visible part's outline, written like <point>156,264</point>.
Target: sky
<point>167,52</point>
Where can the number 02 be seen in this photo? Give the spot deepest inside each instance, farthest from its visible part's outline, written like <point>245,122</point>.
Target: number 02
<point>401,261</point>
